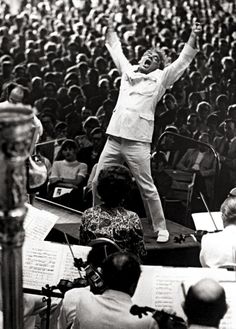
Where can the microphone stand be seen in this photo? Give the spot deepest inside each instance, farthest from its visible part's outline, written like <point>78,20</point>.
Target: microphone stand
<point>49,293</point>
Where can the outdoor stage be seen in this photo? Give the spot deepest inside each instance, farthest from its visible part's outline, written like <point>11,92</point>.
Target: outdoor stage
<point>172,253</point>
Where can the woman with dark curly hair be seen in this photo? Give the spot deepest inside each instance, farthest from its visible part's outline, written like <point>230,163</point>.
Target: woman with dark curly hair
<point>111,219</point>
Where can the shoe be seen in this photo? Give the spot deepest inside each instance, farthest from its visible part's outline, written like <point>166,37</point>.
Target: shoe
<point>163,236</point>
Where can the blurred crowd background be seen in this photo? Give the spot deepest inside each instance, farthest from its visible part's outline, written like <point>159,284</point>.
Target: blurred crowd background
<point>53,57</point>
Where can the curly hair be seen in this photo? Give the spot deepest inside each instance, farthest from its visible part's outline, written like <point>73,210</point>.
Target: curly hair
<point>114,183</point>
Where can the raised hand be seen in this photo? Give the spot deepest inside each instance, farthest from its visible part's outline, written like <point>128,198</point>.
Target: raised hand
<point>197,28</point>
<point>111,35</point>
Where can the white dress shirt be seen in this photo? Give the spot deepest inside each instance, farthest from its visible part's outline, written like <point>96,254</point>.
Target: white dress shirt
<point>219,249</point>
<point>111,310</point>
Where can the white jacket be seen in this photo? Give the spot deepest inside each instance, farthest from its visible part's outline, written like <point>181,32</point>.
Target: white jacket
<point>133,116</point>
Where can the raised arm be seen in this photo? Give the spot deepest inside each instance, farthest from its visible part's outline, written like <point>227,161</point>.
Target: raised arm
<point>175,70</point>
<point>114,47</point>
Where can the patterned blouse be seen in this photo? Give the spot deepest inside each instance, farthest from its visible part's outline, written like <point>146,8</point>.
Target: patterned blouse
<point>118,224</point>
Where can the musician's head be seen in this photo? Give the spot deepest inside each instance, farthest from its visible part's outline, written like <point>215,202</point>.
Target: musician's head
<point>121,272</point>
<point>228,209</point>
<point>205,303</point>
<point>152,60</point>
<point>114,183</point>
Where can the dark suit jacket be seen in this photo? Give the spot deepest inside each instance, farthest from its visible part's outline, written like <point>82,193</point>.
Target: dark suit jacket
<point>207,167</point>
<point>229,161</point>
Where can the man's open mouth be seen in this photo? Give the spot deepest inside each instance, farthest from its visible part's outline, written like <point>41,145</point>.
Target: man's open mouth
<point>147,62</point>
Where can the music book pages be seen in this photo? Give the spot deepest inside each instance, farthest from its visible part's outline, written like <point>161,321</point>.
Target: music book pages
<point>38,223</point>
<point>160,288</point>
<point>47,263</point>
<point>203,221</point>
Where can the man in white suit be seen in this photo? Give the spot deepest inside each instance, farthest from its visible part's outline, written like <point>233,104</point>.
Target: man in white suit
<point>131,126</point>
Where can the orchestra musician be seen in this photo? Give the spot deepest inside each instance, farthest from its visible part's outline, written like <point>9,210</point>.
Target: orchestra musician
<point>111,309</point>
<point>205,305</point>
<point>219,249</point>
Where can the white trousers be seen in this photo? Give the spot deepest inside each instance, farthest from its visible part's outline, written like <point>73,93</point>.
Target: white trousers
<point>137,156</point>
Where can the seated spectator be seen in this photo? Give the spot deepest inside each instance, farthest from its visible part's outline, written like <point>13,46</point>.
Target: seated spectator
<point>219,249</point>
<point>191,127</point>
<point>169,146</point>
<point>203,110</point>
<point>222,103</point>
<point>201,160</point>
<point>111,219</point>
<point>68,176</point>
<point>212,123</point>
<point>104,112</point>
<point>205,304</point>
<point>46,144</point>
<point>120,272</point>
<point>89,124</point>
<point>170,108</point>
<point>193,99</point>
<point>226,147</point>
<point>161,179</point>
<point>61,130</point>
<point>18,95</point>
<point>90,155</point>
<point>74,119</point>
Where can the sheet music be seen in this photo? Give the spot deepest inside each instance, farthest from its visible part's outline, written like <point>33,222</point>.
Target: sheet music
<point>144,290</point>
<point>229,320</point>
<point>45,262</point>
<point>168,295</point>
<point>38,223</point>
<point>40,264</point>
<point>203,221</point>
<point>70,272</point>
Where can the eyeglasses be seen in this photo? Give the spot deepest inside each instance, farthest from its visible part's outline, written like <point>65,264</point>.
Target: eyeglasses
<point>232,193</point>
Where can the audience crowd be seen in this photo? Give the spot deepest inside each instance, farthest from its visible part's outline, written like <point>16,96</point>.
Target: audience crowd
<point>55,51</point>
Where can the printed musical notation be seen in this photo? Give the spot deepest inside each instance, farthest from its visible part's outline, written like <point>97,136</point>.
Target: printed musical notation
<point>46,263</point>
<point>38,223</point>
<point>160,288</point>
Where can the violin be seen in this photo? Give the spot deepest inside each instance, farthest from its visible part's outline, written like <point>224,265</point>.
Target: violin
<point>164,319</point>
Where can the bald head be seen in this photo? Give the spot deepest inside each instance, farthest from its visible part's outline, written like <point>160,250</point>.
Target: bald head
<point>207,290</point>
<point>205,303</point>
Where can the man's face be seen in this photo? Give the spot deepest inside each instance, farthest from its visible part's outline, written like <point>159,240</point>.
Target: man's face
<point>150,61</point>
<point>96,139</point>
<point>229,129</point>
<point>170,103</point>
<point>204,139</point>
<point>192,123</point>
